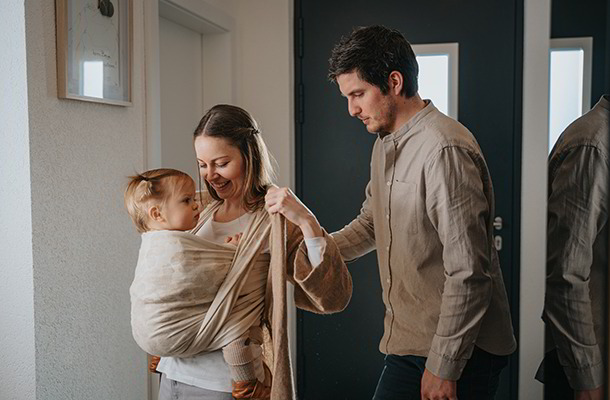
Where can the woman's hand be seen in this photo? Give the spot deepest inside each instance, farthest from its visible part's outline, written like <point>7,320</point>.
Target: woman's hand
<point>283,201</point>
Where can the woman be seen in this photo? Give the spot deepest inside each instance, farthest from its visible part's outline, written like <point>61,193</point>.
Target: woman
<point>235,167</point>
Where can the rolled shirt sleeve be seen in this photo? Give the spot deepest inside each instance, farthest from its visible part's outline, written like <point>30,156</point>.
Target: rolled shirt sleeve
<point>358,237</point>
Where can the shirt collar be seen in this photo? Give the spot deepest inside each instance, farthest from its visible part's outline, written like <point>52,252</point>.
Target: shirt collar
<point>406,128</point>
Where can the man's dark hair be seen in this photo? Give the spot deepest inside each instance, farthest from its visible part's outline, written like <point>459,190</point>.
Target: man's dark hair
<point>374,52</point>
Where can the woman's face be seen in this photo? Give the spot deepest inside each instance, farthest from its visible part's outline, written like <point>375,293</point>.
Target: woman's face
<point>222,166</point>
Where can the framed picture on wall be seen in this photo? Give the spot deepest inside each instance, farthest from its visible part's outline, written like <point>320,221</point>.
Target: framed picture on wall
<point>94,50</point>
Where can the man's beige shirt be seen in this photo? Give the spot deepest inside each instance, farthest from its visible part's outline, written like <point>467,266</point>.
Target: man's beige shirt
<point>428,212</point>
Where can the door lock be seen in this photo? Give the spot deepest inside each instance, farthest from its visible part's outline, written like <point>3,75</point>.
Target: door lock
<point>498,242</point>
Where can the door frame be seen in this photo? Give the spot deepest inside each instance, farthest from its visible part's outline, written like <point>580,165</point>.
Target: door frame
<point>534,152</point>
<point>218,31</point>
<point>218,35</point>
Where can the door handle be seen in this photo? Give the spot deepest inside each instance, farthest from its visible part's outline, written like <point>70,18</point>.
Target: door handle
<point>497,238</point>
<point>498,223</point>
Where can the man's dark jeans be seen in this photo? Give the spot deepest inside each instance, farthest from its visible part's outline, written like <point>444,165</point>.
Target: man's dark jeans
<point>401,377</point>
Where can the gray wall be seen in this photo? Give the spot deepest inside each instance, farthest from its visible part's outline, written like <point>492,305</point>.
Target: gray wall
<point>16,298</point>
<point>71,247</point>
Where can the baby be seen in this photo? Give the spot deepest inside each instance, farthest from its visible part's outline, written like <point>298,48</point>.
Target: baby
<point>162,199</point>
<point>165,200</point>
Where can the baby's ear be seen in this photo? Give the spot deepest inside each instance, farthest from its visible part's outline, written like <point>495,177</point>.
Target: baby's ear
<point>154,213</point>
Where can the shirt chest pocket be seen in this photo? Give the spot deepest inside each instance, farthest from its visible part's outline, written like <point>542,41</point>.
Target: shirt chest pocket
<point>405,206</point>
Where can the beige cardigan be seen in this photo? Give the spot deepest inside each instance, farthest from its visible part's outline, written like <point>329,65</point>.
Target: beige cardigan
<point>325,289</point>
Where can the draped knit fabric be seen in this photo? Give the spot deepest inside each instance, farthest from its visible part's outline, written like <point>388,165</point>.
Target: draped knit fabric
<point>185,293</point>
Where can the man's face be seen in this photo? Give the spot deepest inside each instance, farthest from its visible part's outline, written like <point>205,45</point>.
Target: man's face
<point>366,102</point>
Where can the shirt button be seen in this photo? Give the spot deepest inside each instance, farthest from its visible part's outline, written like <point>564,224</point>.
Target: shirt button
<point>388,248</point>
<point>387,216</point>
<point>388,183</point>
<point>388,280</point>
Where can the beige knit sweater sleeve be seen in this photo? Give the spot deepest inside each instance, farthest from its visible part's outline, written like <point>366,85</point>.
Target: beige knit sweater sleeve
<point>325,289</point>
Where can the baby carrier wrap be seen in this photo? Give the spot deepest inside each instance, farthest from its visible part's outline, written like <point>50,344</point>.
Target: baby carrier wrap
<point>185,293</point>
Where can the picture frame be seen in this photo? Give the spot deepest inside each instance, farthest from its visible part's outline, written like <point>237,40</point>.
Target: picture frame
<point>94,50</point>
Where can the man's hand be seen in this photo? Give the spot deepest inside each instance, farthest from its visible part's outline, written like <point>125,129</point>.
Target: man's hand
<point>594,394</point>
<point>435,388</point>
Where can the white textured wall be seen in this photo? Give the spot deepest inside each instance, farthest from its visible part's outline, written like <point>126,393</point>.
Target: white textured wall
<point>264,72</point>
<point>84,247</point>
<point>265,75</point>
<point>17,365</point>
<point>181,94</point>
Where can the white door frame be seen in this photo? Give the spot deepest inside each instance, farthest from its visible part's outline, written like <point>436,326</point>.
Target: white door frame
<point>217,29</point>
<point>535,142</point>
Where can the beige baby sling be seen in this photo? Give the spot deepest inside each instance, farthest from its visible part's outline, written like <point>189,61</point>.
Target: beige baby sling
<point>183,309</point>
<point>185,293</point>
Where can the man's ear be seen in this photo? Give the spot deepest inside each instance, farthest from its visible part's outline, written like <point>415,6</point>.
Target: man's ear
<point>395,82</point>
<point>154,213</point>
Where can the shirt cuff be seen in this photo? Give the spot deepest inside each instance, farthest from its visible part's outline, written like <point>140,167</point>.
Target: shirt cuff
<point>445,367</point>
<point>587,378</point>
<point>315,250</point>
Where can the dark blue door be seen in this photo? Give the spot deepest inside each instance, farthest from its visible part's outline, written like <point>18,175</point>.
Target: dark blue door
<point>338,356</point>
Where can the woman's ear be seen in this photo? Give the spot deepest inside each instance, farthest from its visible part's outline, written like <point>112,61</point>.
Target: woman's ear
<point>395,82</point>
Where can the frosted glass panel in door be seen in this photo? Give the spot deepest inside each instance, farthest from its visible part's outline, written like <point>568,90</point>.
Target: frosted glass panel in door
<point>438,75</point>
<point>566,88</point>
<point>434,80</point>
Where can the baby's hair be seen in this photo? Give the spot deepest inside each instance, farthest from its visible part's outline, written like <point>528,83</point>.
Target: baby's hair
<point>147,186</point>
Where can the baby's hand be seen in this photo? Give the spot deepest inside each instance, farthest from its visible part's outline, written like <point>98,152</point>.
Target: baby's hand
<point>153,363</point>
<point>234,239</point>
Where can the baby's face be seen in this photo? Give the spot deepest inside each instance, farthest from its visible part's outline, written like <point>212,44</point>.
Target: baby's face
<point>181,211</point>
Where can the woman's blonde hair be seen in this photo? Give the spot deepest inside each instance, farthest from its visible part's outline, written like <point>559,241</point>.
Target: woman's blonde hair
<point>154,185</point>
<point>240,130</point>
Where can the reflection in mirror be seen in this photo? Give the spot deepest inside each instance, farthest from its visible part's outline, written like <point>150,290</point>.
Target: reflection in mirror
<point>577,257</point>
<point>575,308</point>
<point>570,83</point>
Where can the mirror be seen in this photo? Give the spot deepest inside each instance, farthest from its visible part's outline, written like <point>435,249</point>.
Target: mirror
<point>576,307</point>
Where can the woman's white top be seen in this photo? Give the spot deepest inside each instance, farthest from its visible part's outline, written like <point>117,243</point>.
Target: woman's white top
<point>209,370</point>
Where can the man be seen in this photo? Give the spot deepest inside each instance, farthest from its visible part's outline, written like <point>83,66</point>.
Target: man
<point>428,212</point>
<point>577,258</point>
